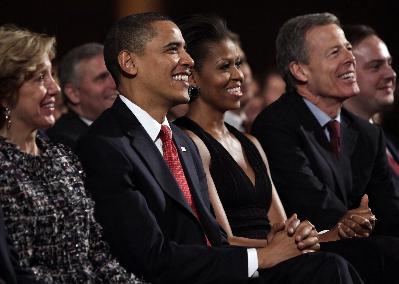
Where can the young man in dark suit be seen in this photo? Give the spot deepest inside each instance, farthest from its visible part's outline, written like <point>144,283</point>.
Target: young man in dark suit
<point>327,164</point>
<point>377,82</point>
<point>150,191</point>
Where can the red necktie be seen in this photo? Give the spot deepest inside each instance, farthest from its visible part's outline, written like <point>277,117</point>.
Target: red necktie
<point>392,163</point>
<point>334,129</point>
<point>172,159</point>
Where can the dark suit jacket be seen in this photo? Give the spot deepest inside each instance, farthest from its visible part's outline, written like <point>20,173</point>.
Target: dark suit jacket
<point>149,226</point>
<point>392,144</point>
<point>67,129</point>
<point>308,177</point>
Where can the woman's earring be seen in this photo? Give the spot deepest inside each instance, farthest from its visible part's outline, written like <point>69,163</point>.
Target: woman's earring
<point>7,114</point>
<point>193,92</point>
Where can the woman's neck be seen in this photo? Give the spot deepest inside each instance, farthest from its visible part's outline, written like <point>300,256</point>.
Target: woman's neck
<point>24,139</point>
<point>210,119</point>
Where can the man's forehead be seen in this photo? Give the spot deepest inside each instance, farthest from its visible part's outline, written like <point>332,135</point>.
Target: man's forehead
<point>167,32</point>
<point>372,47</point>
<point>321,31</point>
<point>325,35</point>
<point>92,64</point>
<point>164,26</point>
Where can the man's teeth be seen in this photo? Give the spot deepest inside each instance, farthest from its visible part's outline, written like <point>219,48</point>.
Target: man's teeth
<point>234,90</point>
<point>49,105</point>
<point>180,77</point>
<point>347,75</point>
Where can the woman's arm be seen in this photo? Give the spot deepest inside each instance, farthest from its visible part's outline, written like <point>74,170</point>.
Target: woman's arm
<point>306,240</point>
<point>220,214</point>
<point>276,211</point>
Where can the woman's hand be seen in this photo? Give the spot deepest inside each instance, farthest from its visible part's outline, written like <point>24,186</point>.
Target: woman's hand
<point>305,235</point>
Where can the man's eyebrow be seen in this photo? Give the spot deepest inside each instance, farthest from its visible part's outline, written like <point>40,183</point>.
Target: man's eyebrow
<point>102,75</point>
<point>173,43</point>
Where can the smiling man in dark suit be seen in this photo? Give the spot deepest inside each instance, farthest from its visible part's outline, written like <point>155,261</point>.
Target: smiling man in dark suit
<point>327,164</point>
<point>312,179</point>
<point>149,187</point>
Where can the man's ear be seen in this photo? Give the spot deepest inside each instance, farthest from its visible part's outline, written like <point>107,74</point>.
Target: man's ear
<point>127,62</point>
<point>298,71</point>
<point>72,93</point>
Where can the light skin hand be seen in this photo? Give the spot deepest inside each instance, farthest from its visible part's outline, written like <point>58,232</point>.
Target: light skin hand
<point>358,222</point>
<point>356,226</point>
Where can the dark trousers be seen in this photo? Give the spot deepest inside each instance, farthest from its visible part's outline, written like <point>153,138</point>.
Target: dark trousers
<point>319,267</point>
<point>375,258</point>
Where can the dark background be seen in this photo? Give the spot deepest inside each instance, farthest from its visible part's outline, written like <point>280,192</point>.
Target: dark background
<point>77,21</point>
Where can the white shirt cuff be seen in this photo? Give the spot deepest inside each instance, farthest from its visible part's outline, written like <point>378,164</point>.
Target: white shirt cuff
<point>252,262</point>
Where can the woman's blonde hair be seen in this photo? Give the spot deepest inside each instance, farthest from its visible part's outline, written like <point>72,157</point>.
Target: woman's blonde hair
<point>21,51</point>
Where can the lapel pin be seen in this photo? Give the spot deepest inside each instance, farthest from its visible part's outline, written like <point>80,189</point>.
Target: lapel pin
<point>183,149</point>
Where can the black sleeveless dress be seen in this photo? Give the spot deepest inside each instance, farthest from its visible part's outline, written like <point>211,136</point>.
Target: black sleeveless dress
<point>246,205</point>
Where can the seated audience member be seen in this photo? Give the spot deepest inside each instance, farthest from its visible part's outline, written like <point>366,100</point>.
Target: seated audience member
<point>273,88</point>
<point>376,79</point>
<point>88,90</point>
<point>47,215</point>
<point>240,189</point>
<point>148,184</point>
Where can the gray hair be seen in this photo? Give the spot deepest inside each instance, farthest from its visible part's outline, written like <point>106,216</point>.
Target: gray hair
<point>290,42</point>
<point>68,70</point>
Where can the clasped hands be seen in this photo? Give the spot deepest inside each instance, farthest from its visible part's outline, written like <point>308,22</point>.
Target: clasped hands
<point>358,222</point>
<point>287,240</point>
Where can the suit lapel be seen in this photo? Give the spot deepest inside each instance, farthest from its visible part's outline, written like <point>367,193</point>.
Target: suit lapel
<point>315,134</point>
<point>149,153</point>
<point>206,219</point>
<point>349,135</point>
<point>188,166</point>
<point>348,144</point>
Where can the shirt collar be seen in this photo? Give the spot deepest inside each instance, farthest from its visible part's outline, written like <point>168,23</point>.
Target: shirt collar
<point>321,116</point>
<point>151,126</point>
<point>85,120</point>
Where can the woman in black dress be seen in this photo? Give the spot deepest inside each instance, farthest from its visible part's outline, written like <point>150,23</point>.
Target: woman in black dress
<point>235,164</point>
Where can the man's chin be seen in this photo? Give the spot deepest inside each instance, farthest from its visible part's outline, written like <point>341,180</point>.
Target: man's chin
<point>184,99</point>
